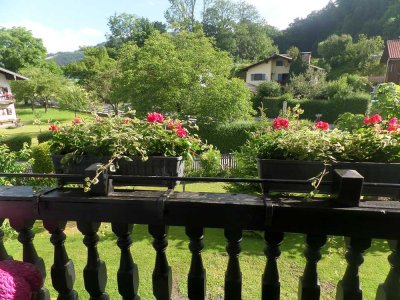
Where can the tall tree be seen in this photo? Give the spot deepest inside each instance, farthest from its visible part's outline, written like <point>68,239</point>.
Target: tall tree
<point>183,74</point>
<point>43,86</point>
<point>130,28</point>
<point>181,15</point>
<point>19,49</point>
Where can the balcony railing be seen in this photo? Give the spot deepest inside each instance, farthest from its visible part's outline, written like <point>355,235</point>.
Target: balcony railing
<point>235,213</point>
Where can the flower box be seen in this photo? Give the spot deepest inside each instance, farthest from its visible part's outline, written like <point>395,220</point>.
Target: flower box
<point>304,170</point>
<point>153,166</point>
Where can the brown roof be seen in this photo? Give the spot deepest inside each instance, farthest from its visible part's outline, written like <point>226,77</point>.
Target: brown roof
<point>392,50</point>
<point>10,75</point>
<point>265,60</point>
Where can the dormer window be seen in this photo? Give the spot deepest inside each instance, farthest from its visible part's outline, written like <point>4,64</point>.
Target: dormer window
<point>257,77</point>
<point>279,63</point>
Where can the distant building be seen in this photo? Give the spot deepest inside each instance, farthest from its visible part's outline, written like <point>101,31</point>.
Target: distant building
<point>274,68</point>
<point>391,58</point>
<point>8,115</point>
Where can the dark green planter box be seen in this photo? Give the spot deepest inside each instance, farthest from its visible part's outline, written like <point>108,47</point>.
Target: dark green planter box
<point>154,166</point>
<point>303,170</point>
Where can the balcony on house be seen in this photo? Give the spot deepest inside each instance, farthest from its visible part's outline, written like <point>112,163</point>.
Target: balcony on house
<point>234,213</point>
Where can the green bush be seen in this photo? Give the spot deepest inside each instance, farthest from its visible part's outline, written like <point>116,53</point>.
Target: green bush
<point>42,159</point>
<point>269,89</point>
<point>211,163</point>
<point>44,136</point>
<point>356,103</point>
<point>16,142</point>
<point>228,137</point>
<point>349,121</point>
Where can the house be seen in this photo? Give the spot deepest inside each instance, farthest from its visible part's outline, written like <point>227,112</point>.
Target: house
<point>8,115</point>
<point>391,58</point>
<point>274,68</point>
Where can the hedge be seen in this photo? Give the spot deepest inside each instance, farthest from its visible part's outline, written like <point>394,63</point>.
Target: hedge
<point>44,136</point>
<point>16,142</point>
<point>228,137</point>
<point>42,159</point>
<point>330,109</point>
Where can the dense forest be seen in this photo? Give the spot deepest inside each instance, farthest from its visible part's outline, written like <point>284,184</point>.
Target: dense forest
<point>354,17</point>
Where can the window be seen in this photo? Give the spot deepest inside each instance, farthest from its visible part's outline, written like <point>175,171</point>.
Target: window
<point>279,63</point>
<point>280,77</point>
<point>257,77</point>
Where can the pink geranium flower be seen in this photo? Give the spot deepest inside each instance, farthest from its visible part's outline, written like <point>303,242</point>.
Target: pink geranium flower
<point>280,123</point>
<point>181,132</point>
<point>322,125</point>
<point>155,117</point>
<point>54,128</point>
<point>375,119</point>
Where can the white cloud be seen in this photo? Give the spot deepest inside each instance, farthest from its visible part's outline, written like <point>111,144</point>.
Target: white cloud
<point>61,39</point>
<point>281,13</point>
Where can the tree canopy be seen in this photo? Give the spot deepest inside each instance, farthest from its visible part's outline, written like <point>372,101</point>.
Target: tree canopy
<point>19,49</point>
<point>182,74</point>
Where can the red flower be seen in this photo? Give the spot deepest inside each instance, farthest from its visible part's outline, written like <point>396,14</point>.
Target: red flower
<point>322,125</point>
<point>76,121</point>
<point>375,119</point>
<point>181,132</point>
<point>280,123</point>
<point>126,121</point>
<point>155,117</point>
<point>54,128</point>
<point>393,121</point>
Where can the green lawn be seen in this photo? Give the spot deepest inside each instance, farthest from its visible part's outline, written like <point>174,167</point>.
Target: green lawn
<point>291,263</point>
<point>28,118</point>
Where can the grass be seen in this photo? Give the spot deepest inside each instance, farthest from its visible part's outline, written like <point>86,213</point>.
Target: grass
<point>28,118</point>
<point>291,263</point>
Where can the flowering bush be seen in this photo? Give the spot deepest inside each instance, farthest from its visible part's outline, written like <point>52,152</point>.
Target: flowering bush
<point>124,137</point>
<point>377,141</point>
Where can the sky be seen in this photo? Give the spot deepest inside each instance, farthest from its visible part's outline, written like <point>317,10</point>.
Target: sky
<point>67,25</point>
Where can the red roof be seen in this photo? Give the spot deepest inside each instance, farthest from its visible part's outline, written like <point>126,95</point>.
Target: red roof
<point>393,48</point>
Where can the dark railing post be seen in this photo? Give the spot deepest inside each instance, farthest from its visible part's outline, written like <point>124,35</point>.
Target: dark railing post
<point>128,276</point>
<point>197,273</point>
<point>390,289</point>
<point>3,252</point>
<point>349,287</point>
<point>62,270</point>
<point>162,274</point>
<point>95,271</point>
<point>233,275</point>
<point>25,237</point>
<point>271,286</point>
<point>309,288</point>
<point>347,187</point>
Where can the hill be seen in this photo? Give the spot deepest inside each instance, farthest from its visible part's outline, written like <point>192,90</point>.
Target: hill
<point>370,17</point>
<point>64,58</point>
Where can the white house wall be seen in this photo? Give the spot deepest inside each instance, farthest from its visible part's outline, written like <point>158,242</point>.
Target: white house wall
<point>264,68</point>
<point>7,113</point>
<point>279,69</point>
<point>4,82</point>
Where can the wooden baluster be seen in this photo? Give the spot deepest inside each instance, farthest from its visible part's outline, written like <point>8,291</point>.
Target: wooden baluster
<point>162,274</point>
<point>95,272</point>
<point>62,270</point>
<point>271,286</point>
<point>128,276</point>
<point>390,289</point>
<point>233,275</point>
<point>197,273</point>
<point>309,288</point>
<point>29,254</point>
<point>349,287</point>
<point>3,252</point>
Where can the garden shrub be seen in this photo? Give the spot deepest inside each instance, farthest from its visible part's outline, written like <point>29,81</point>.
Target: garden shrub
<point>228,137</point>
<point>211,163</point>
<point>269,89</point>
<point>357,103</point>
<point>349,121</point>
<point>16,142</point>
<point>42,159</point>
<point>14,162</point>
<point>44,136</point>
